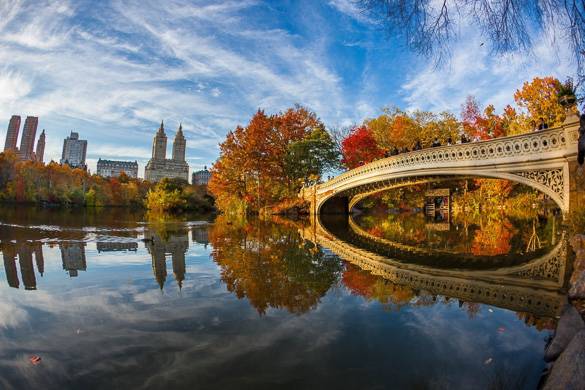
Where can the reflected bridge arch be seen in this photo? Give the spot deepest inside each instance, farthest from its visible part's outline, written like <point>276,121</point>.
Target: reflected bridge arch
<point>536,286</point>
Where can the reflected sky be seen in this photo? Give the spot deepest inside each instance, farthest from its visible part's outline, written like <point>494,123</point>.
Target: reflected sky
<point>184,304</point>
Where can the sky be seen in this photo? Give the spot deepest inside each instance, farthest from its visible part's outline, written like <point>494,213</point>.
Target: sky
<point>112,70</point>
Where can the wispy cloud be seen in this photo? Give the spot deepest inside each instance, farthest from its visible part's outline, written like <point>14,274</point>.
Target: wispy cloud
<point>112,71</point>
<point>474,70</point>
<point>351,9</point>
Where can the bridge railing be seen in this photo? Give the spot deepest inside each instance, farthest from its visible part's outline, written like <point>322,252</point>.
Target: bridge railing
<point>531,145</point>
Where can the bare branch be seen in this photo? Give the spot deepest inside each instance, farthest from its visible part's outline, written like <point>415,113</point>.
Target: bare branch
<point>506,25</point>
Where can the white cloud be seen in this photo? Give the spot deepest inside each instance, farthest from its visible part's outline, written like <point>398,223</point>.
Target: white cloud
<point>13,85</point>
<point>114,82</point>
<point>351,9</point>
<point>474,70</point>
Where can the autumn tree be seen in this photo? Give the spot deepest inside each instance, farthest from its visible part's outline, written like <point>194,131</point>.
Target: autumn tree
<point>539,98</point>
<point>7,169</point>
<point>254,167</point>
<point>400,129</point>
<point>360,148</point>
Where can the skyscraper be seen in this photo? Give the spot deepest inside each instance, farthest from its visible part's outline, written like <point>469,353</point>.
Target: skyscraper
<point>12,133</point>
<point>74,151</point>
<point>40,152</point>
<point>27,142</point>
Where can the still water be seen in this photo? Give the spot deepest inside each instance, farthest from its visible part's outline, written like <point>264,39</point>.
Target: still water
<point>114,299</point>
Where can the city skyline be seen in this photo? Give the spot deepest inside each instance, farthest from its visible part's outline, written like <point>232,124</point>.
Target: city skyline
<point>24,260</point>
<point>26,150</point>
<point>212,66</point>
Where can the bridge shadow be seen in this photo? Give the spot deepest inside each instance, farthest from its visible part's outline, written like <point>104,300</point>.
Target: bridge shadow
<point>534,283</point>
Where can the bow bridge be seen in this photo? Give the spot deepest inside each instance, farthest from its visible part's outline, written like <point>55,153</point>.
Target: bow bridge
<point>545,160</point>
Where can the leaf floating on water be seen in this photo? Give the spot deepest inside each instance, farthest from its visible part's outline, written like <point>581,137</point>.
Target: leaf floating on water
<point>35,359</point>
<point>488,361</point>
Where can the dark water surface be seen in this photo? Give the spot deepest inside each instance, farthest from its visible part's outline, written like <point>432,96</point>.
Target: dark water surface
<point>115,299</point>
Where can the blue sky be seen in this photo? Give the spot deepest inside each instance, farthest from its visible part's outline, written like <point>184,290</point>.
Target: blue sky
<point>112,70</point>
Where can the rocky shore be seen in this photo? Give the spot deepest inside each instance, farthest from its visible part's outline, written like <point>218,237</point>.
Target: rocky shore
<point>566,350</point>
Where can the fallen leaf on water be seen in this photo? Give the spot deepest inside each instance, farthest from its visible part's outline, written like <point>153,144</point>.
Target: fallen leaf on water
<point>488,361</point>
<point>35,359</point>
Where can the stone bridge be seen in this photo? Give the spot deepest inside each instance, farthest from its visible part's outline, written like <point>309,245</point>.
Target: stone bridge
<point>545,160</point>
<point>535,286</point>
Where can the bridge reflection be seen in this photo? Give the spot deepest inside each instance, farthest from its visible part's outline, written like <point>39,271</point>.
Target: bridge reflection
<point>534,284</point>
<point>291,266</point>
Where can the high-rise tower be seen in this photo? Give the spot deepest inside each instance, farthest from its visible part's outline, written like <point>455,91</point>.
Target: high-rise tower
<point>179,145</point>
<point>12,133</point>
<point>159,144</point>
<point>27,143</point>
<point>40,152</point>
<point>74,151</point>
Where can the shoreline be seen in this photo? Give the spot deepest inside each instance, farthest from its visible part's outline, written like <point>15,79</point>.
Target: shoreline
<point>565,351</point>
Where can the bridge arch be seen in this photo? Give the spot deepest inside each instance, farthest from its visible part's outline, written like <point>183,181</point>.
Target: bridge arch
<point>443,176</point>
<point>544,160</point>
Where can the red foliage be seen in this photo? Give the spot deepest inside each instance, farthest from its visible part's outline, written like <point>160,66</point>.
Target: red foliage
<point>484,125</point>
<point>358,281</point>
<point>376,231</point>
<point>360,148</point>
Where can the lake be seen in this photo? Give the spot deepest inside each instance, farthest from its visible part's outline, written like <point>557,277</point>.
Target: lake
<point>118,299</point>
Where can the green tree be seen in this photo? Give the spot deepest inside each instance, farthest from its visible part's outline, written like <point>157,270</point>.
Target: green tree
<point>307,159</point>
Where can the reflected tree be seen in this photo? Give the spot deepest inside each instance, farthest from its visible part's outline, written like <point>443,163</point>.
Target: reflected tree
<point>372,287</point>
<point>271,265</point>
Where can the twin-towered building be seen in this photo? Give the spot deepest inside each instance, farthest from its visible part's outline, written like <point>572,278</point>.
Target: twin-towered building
<point>27,141</point>
<point>159,166</point>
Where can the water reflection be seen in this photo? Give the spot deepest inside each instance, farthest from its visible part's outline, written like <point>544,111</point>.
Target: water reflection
<point>173,243</point>
<point>490,234</point>
<point>271,265</point>
<point>262,303</point>
<point>534,282</point>
<point>73,256</point>
<point>292,265</point>
<point>24,251</point>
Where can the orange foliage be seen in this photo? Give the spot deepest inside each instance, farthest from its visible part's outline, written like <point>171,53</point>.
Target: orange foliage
<point>540,98</point>
<point>251,171</point>
<point>493,239</point>
<point>271,265</point>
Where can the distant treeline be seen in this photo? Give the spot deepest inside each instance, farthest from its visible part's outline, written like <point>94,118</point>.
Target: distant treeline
<point>55,184</point>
